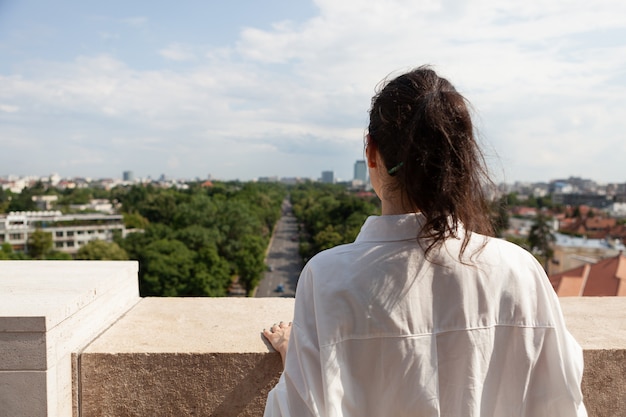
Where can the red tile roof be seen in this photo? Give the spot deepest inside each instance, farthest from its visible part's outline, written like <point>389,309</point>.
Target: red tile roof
<point>604,278</point>
<point>593,227</point>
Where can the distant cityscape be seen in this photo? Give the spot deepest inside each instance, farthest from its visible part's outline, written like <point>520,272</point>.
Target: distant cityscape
<point>568,191</point>
<point>16,183</point>
<point>587,219</point>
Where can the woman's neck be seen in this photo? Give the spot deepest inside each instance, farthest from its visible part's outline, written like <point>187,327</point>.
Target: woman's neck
<point>396,205</point>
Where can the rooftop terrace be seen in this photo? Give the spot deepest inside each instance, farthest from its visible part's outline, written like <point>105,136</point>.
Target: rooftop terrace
<point>77,340</point>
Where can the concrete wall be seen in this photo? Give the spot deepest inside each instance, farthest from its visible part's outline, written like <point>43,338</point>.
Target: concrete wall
<point>49,310</point>
<point>184,357</point>
<point>598,325</point>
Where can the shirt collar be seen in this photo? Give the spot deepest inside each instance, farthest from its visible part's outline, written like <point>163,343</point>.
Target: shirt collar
<point>391,228</point>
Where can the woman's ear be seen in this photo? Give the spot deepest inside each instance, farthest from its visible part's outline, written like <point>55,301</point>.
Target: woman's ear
<point>371,152</point>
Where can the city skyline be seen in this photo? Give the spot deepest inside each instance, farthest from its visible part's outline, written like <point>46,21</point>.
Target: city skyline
<point>242,90</point>
<point>128,176</point>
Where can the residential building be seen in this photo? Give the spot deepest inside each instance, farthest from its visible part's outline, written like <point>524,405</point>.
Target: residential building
<point>616,210</point>
<point>99,205</point>
<point>69,232</point>
<point>571,252</point>
<point>600,279</point>
<point>45,202</point>
<point>572,199</point>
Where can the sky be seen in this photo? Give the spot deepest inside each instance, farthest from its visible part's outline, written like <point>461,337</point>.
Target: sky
<point>243,89</point>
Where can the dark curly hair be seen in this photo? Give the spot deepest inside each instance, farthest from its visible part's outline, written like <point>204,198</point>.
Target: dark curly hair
<point>423,131</point>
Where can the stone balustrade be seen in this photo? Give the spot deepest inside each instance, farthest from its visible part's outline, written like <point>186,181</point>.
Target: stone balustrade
<point>77,340</point>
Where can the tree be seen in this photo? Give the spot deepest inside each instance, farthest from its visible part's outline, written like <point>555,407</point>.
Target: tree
<point>100,250</point>
<point>327,238</point>
<point>330,216</point>
<point>541,238</point>
<point>166,269</point>
<point>500,216</point>
<point>75,196</point>
<point>194,241</point>
<point>249,260</point>
<point>159,207</point>
<point>211,276</point>
<point>511,200</point>
<point>6,251</point>
<point>135,220</point>
<point>39,244</point>
<point>5,199</point>
<point>55,255</point>
<point>22,201</point>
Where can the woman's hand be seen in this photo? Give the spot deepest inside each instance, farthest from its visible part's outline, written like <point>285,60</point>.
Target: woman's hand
<point>278,336</point>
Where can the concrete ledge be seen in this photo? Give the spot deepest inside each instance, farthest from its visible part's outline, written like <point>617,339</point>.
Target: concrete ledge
<point>184,357</point>
<point>206,357</point>
<point>598,324</point>
<point>48,310</point>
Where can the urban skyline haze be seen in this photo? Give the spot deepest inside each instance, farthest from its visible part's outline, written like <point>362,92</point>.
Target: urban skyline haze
<point>249,89</point>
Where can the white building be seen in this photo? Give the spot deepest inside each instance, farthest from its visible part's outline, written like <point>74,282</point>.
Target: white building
<point>45,202</point>
<point>69,232</point>
<point>616,210</point>
<point>100,205</point>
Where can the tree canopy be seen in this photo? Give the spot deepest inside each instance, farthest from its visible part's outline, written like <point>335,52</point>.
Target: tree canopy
<point>197,241</point>
<point>329,215</point>
<point>100,250</point>
<point>541,238</point>
<point>39,244</point>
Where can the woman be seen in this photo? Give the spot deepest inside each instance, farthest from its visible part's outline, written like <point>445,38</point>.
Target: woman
<point>424,314</point>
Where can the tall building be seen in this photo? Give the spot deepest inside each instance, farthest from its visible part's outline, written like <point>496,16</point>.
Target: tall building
<point>328,177</point>
<point>360,171</point>
<point>128,176</point>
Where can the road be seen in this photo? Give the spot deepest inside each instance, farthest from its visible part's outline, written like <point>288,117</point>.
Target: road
<point>283,259</point>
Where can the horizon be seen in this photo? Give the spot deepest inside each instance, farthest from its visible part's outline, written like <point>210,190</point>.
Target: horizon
<point>278,178</point>
<point>247,90</point>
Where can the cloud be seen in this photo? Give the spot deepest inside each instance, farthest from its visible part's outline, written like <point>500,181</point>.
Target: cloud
<point>7,108</point>
<point>135,21</point>
<point>106,36</point>
<point>547,82</point>
<point>177,52</point>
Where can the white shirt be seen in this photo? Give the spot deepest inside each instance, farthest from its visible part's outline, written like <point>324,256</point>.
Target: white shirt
<point>380,331</point>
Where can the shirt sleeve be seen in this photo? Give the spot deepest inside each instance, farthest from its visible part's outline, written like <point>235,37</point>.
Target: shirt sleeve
<point>299,391</point>
<point>558,372</point>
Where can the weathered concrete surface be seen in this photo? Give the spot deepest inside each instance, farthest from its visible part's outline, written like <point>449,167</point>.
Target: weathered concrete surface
<point>599,325</point>
<point>194,325</point>
<point>184,357</point>
<point>604,382</point>
<point>48,310</point>
<point>177,384</point>
<point>596,322</point>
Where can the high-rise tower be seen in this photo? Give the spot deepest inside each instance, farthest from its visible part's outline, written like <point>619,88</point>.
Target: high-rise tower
<point>360,171</point>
